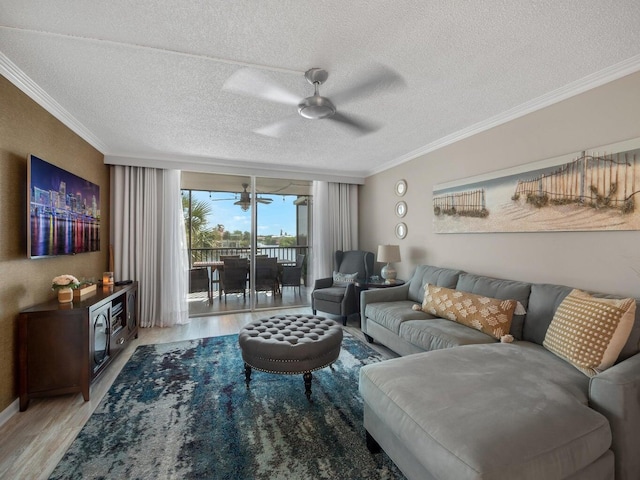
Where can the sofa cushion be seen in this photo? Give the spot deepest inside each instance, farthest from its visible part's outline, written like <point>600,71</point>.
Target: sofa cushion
<point>488,315</point>
<point>439,333</point>
<point>392,314</point>
<point>502,289</point>
<point>443,277</point>
<point>465,414</point>
<point>590,332</point>
<point>543,302</point>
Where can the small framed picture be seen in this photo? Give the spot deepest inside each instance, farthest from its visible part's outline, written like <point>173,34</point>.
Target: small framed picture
<point>401,188</point>
<point>401,209</point>
<point>401,230</point>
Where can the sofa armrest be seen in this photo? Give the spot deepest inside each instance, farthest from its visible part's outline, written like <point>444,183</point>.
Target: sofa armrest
<point>615,393</point>
<point>323,283</point>
<point>391,294</point>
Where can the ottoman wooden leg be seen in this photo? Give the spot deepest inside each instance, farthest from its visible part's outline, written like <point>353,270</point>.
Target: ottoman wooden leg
<point>247,374</point>
<point>307,385</point>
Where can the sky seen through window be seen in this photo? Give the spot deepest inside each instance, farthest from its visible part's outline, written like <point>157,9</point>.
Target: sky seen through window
<point>273,219</point>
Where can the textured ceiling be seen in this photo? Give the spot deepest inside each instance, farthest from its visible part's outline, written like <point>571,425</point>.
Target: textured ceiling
<point>143,79</point>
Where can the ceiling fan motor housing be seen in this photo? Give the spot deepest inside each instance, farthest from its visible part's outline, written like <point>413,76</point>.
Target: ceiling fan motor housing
<point>316,106</point>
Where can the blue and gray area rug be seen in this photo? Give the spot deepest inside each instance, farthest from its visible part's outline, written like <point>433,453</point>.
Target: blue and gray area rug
<point>182,411</point>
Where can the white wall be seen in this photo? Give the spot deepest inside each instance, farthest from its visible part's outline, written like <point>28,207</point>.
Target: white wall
<point>606,261</point>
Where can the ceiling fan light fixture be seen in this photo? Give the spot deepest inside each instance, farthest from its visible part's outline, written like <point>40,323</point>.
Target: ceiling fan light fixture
<point>243,203</point>
<point>316,107</point>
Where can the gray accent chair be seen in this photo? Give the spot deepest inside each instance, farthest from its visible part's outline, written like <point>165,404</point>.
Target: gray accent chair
<point>337,299</point>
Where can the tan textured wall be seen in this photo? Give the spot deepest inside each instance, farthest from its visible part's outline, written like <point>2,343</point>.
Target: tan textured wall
<point>603,261</point>
<point>26,128</point>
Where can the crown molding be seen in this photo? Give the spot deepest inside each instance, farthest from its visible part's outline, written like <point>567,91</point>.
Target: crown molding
<point>16,76</point>
<point>597,79</point>
<point>234,167</point>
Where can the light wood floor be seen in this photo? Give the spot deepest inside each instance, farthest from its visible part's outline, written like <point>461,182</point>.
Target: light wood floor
<point>290,297</point>
<point>33,442</point>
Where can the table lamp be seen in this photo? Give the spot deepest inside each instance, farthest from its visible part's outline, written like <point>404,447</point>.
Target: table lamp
<point>388,254</point>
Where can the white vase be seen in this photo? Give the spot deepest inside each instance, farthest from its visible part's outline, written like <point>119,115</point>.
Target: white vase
<point>65,295</point>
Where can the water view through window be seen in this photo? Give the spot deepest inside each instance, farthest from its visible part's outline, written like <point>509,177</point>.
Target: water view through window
<point>216,223</point>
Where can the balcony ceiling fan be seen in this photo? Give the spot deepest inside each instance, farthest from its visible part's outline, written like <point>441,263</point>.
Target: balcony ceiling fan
<point>252,83</point>
<point>245,199</point>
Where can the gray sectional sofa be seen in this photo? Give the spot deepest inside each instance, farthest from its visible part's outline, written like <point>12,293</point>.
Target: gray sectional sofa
<point>459,404</point>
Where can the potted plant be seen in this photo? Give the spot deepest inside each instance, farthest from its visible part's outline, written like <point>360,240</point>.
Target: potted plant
<point>64,285</point>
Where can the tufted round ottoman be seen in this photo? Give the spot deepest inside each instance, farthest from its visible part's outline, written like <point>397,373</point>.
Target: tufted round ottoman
<point>290,344</point>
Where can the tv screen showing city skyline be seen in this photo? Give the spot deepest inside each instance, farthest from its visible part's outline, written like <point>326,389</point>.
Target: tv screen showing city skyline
<point>64,211</point>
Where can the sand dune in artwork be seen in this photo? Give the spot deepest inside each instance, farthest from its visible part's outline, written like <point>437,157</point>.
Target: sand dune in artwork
<point>592,192</point>
<point>520,217</point>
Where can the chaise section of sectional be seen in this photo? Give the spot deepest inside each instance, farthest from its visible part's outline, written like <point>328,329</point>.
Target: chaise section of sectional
<point>465,405</point>
<point>498,411</point>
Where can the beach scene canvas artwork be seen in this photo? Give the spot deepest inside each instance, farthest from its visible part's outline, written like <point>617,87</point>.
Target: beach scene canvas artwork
<point>597,189</point>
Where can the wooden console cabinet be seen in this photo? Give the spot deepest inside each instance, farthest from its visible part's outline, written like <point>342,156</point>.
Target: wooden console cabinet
<point>64,347</point>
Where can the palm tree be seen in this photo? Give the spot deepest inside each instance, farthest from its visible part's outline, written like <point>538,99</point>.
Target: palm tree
<point>200,235</point>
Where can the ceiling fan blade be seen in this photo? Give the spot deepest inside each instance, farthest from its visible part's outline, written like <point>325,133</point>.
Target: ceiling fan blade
<point>362,127</point>
<point>381,77</point>
<point>280,128</point>
<point>266,201</point>
<point>253,83</point>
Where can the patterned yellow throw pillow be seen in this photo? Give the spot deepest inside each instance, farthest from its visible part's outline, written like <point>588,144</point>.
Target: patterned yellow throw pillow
<point>489,315</point>
<point>590,332</point>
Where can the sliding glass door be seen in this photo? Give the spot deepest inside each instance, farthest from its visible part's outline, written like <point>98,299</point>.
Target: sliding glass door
<point>262,221</point>
<point>282,236</point>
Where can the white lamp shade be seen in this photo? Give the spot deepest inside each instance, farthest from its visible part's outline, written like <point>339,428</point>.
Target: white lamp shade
<point>388,253</point>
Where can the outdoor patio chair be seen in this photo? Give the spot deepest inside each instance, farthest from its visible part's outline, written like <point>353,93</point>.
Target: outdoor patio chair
<point>199,281</point>
<point>266,274</point>
<point>233,277</point>
<point>292,275</point>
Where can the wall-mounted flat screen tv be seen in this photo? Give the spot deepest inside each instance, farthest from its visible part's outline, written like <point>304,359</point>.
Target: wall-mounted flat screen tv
<point>64,211</point>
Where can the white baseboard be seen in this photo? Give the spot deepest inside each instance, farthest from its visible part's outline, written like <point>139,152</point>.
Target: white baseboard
<point>9,412</point>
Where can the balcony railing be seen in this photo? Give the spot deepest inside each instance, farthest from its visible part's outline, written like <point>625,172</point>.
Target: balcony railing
<point>287,254</point>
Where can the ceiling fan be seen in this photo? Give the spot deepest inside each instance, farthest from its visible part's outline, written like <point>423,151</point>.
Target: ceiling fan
<point>245,199</point>
<point>315,107</point>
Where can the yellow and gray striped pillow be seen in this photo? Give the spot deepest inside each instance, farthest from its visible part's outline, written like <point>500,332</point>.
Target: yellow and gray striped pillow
<point>590,332</point>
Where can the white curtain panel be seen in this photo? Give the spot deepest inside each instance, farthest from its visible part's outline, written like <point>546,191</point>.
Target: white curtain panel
<point>334,224</point>
<point>149,241</point>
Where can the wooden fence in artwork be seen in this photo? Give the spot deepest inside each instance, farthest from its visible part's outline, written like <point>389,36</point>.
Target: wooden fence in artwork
<point>470,203</point>
<point>606,181</point>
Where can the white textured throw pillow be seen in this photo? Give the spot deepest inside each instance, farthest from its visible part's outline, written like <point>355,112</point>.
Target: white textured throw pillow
<point>343,279</point>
